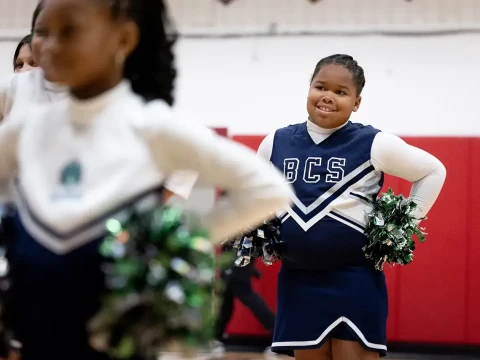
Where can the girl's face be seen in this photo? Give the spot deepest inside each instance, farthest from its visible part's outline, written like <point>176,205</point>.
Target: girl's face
<point>36,45</point>
<point>24,61</point>
<point>79,44</point>
<point>332,97</point>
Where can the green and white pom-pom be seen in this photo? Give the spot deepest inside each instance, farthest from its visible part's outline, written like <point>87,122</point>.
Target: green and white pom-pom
<point>159,270</point>
<point>390,230</point>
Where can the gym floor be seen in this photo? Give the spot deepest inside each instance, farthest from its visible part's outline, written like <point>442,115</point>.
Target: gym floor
<point>261,356</point>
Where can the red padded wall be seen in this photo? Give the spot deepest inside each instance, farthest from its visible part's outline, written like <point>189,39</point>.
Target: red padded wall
<point>243,322</point>
<point>393,277</point>
<point>432,300</point>
<point>472,313</point>
<point>436,298</point>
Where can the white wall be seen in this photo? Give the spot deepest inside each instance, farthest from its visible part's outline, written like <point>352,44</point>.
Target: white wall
<point>420,86</point>
<point>424,86</point>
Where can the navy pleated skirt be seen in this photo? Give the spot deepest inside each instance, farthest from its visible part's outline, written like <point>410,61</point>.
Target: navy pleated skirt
<point>350,303</point>
<point>55,297</point>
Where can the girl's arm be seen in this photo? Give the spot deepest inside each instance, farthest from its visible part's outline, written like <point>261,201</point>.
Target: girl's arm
<point>266,146</point>
<point>394,156</point>
<point>6,95</point>
<point>9,134</point>
<point>254,188</point>
<point>179,183</point>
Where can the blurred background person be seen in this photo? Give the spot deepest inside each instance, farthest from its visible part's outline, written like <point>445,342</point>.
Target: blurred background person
<point>23,57</point>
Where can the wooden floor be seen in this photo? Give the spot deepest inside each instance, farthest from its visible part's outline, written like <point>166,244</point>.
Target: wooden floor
<point>261,356</point>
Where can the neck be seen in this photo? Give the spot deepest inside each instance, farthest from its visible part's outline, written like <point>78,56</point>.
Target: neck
<point>321,129</point>
<point>94,89</point>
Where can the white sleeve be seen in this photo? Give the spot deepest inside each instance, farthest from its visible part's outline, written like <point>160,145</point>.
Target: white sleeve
<point>9,134</point>
<point>266,147</point>
<point>181,183</point>
<point>394,156</point>
<point>6,95</point>
<point>255,190</point>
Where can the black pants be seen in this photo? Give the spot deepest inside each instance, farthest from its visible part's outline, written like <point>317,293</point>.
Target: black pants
<point>238,285</point>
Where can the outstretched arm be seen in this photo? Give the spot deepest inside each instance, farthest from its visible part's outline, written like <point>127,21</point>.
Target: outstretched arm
<point>254,188</point>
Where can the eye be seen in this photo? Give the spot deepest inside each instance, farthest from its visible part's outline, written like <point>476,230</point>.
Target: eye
<point>320,87</point>
<point>341,92</point>
<point>68,31</point>
<point>40,32</point>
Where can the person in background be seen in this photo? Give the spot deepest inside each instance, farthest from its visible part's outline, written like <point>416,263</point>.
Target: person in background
<point>237,284</point>
<point>27,87</point>
<point>23,56</point>
<point>22,61</point>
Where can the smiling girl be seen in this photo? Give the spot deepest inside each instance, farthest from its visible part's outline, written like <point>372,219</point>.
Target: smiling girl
<point>332,303</point>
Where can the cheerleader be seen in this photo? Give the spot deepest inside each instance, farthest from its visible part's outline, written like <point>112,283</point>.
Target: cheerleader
<point>331,303</point>
<point>109,144</point>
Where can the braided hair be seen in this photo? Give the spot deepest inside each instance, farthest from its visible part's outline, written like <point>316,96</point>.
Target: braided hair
<point>36,12</point>
<point>349,63</point>
<point>156,40</point>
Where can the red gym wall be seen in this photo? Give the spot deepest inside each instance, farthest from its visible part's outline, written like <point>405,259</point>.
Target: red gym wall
<point>436,299</point>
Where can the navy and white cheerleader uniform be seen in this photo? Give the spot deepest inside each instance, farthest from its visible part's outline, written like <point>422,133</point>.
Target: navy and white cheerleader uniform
<point>76,164</point>
<point>326,287</point>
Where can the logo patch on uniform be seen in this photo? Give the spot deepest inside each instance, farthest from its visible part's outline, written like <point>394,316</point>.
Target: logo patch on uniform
<point>69,182</point>
<point>71,174</point>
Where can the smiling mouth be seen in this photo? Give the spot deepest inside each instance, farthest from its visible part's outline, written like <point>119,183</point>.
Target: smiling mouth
<point>325,109</point>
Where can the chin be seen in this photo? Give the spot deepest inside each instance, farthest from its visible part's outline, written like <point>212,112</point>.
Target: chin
<point>55,74</point>
<point>327,123</point>
<point>54,78</point>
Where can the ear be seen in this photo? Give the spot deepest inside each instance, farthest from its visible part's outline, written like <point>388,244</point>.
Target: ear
<point>357,104</point>
<point>129,38</point>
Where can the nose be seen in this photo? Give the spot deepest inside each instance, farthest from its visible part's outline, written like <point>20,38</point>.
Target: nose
<point>327,99</point>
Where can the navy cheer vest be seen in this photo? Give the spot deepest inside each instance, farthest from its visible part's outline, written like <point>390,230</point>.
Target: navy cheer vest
<point>334,183</point>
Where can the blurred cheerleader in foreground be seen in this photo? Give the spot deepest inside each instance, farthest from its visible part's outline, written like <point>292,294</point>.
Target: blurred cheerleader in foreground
<point>108,145</point>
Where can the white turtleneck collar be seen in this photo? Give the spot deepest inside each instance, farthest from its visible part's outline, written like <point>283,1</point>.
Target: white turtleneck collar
<point>101,99</point>
<point>319,134</point>
<point>83,110</point>
<point>50,86</point>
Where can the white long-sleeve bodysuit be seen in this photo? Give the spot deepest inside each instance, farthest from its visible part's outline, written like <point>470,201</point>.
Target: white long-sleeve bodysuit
<point>393,156</point>
<point>116,147</point>
<point>22,90</point>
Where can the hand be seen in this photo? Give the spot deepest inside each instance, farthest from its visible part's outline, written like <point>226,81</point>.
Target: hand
<point>14,355</point>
